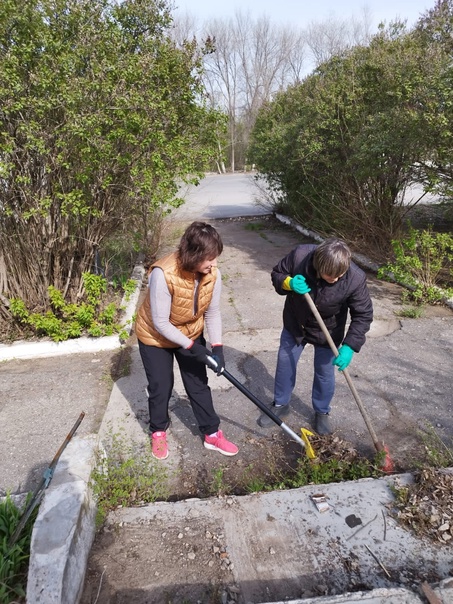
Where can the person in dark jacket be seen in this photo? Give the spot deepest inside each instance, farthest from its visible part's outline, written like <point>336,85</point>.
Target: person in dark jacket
<point>337,287</point>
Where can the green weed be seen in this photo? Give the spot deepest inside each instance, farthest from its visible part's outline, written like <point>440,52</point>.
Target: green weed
<point>332,470</point>
<point>218,485</point>
<point>439,455</point>
<point>126,475</point>
<point>411,312</point>
<point>128,287</point>
<point>254,226</point>
<point>256,485</point>
<point>422,259</point>
<point>93,315</point>
<point>14,559</point>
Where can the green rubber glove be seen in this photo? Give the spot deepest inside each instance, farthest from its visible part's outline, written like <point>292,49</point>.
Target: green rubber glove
<point>299,285</point>
<point>344,357</point>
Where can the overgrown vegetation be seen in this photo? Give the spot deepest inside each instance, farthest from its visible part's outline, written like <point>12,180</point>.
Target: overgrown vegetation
<point>94,315</point>
<point>336,461</point>
<point>126,475</point>
<point>330,470</point>
<point>13,559</point>
<point>438,453</point>
<point>423,262</point>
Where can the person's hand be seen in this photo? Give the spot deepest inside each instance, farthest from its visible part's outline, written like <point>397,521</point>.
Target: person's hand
<point>196,351</point>
<point>299,285</point>
<point>344,357</point>
<point>217,354</point>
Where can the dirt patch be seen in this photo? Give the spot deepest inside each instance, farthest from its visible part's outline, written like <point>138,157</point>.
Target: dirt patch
<point>189,563</point>
<point>180,551</point>
<point>426,506</point>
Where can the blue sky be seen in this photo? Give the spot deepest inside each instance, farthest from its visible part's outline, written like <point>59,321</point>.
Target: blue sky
<point>300,13</point>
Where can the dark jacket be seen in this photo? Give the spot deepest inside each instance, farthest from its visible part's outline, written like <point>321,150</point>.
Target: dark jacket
<point>333,301</point>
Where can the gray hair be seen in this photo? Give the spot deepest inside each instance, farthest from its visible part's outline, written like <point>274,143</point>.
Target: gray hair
<point>332,257</point>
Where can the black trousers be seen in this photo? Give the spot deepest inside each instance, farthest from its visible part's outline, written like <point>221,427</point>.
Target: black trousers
<point>158,364</point>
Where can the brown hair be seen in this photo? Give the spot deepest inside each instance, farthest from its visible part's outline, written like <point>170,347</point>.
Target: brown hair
<point>200,242</point>
<point>332,257</point>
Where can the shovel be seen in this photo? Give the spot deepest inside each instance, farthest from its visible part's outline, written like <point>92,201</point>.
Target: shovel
<point>212,363</point>
<point>387,465</point>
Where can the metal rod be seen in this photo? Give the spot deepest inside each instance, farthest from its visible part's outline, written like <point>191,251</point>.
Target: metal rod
<point>45,480</point>
<point>212,363</point>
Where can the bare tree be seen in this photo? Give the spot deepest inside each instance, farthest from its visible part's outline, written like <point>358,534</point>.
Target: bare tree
<point>269,58</point>
<point>333,36</point>
<point>222,73</point>
<point>184,28</point>
<point>251,60</point>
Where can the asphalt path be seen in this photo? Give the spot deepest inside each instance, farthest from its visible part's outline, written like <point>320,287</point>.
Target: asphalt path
<point>223,196</point>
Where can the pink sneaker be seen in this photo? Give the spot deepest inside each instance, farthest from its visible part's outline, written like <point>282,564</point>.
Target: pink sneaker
<point>220,443</point>
<point>159,447</point>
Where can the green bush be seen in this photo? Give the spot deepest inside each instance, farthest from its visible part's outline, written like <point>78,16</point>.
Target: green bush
<point>93,315</point>
<point>13,559</point>
<point>423,262</point>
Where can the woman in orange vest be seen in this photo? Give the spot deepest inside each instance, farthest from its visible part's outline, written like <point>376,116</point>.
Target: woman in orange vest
<point>183,295</point>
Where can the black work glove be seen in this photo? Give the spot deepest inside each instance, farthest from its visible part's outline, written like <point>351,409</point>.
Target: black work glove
<point>196,351</point>
<point>217,354</point>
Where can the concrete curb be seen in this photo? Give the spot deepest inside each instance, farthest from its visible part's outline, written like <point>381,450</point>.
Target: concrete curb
<point>377,596</point>
<point>397,595</point>
<point>65,527</point>
<point>240,519</point>
<point>64,530</point>
<point>31,350</point>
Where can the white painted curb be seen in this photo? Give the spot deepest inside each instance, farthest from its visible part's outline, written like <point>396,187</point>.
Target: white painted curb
<point>64,529</point>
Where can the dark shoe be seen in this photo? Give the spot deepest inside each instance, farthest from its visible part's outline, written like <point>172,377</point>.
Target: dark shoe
<point>264,420</point>
<point>322,424</point>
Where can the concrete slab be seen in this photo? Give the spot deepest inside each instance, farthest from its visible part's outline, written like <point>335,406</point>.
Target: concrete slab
<point>64,529</point>
<point>279,543</point>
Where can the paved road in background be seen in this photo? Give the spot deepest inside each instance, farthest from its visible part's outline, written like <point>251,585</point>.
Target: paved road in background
<point>222,196</point>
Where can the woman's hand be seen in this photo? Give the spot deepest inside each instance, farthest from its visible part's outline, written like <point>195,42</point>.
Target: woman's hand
<point>217,353</point>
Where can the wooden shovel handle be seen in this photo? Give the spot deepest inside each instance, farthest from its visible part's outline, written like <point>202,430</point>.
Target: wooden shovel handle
<point>345,372</point>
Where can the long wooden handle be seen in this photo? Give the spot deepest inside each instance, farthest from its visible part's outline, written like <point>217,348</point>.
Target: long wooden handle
<point>45,480</point>
<point>345,372</point>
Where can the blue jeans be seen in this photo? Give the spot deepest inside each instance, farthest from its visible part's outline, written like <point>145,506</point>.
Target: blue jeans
<point>285,375</point>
